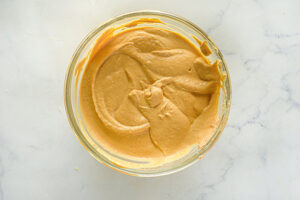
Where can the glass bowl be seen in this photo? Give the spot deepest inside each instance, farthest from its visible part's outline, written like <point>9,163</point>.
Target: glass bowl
<point>72,87</point>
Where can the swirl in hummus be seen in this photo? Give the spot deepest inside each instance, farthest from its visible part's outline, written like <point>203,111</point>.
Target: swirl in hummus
<point>149,93</point>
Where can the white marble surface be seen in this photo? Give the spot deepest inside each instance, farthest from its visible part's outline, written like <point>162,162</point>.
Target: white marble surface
<point>257,157</point>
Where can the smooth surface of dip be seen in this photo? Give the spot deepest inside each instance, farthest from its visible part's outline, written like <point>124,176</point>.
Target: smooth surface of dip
<point>149,93</point>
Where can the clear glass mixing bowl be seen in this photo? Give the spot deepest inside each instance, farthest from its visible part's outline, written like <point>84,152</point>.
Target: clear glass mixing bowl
<point>173,23</point>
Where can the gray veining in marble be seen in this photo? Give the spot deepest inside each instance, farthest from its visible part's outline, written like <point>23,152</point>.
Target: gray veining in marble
<point>257,157</point>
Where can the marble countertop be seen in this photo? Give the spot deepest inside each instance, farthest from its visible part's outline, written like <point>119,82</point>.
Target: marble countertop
<point>257,156</point>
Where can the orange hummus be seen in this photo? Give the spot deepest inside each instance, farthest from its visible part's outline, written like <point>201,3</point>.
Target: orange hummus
<point>149,93</point>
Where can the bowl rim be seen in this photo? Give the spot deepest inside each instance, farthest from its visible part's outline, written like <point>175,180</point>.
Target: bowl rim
<point>70,112</point>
